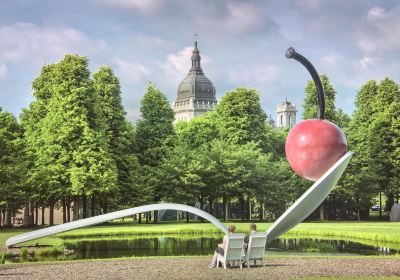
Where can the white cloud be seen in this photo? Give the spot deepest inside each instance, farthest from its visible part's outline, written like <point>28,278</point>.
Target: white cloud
<point>141,5</point>
<point>366,62</point>
<point>376,12</point>
<point>254,75</point>
<point>177,65</point>
<point>32,44</point>
<point>131,72</point>
<point>3,71</point>
<point>308,4</point>
<point>379,31</point>
<point>241,17</point>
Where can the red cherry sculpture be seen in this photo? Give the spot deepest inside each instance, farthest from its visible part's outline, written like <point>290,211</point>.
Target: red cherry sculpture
<point>314,145</point>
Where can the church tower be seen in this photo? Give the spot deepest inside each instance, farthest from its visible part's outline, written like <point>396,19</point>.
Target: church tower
<point>285,115</point>
<point>196,93</point>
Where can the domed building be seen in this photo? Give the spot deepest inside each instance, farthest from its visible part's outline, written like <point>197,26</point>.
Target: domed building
<point>196,93</point>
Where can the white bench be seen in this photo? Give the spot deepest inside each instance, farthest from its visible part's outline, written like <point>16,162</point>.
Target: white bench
<point>256,248</point>
<point>234,250</point>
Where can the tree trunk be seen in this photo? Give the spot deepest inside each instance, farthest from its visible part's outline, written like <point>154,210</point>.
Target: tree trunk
<point>321,212</point>
<point>225,203</point>
<point>36,215</point>
<point>358,215</point>
<point>380,205</point>
<point>155,216</point>
<point>84,207</point>
<point>64,210</point>
<point>75,209</point>
<point>51,214</point>
<point>248,207</point>
<point>211,206</point>
<point>92,204</point>
<point>68,211</point>
<point>389,202</point>
<point>140,218</point>
<point>201,200</point>
<point>187,217</point>
<point>105,206</point>
<point>261,212</point>
<point>43,208</point>
<point>31,214</point>
<point>26,221</point>
<point>7,220</point>
<point>147,217</point>
<point>241,200</point>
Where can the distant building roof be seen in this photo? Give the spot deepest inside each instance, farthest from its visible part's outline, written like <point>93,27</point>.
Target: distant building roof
<point>196,85</point>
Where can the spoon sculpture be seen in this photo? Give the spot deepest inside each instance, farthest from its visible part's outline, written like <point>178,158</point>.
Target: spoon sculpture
<point>315,149</point>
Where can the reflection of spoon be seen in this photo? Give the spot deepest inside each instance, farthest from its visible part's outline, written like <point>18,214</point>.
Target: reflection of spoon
<point>310,200</point>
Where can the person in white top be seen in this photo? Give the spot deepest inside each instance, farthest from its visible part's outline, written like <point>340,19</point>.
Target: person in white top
<point>221,247</point>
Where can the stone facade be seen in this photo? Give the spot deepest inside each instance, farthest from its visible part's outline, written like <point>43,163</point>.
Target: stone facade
<point>285,115</point>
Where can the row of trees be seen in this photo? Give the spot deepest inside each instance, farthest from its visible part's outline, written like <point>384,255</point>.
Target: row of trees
<point>73,147</point>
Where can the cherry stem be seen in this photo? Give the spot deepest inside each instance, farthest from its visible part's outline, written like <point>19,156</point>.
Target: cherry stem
<point>291,53</point>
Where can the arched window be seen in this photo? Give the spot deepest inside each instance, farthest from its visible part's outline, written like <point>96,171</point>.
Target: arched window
<point>281,120</point>
<point>290,120</point>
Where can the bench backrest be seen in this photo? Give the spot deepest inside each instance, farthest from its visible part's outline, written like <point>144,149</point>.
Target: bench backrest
<point>256,247</point>
<point>235,246</point>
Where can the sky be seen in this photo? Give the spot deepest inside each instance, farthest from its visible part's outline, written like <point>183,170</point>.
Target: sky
<point>242,43</point>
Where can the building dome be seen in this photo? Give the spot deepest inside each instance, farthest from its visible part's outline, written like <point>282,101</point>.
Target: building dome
<point>195,85</point>
<point>196,93</point>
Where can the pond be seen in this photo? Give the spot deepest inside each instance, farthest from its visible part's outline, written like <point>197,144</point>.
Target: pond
<point>193,245</point>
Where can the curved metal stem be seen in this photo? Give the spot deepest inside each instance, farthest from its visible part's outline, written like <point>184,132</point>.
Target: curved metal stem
<point>291,53</point>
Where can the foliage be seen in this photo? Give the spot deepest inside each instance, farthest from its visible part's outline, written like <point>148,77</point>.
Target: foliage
<point>240,118</point>
<point>119,134</point>
<point>12,161</point>
<point>310,104</point>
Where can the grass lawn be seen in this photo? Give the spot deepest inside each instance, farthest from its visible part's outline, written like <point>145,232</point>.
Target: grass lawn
<point>371,231</point>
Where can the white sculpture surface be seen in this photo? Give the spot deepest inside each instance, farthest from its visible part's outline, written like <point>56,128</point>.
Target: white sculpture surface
<point>310,200</point>
<point>395,213</point>
<point>112,216</point>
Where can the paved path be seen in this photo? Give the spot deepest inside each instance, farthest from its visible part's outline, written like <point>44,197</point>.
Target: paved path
<point>196,268</point>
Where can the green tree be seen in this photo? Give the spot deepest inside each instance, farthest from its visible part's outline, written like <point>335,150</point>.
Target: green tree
<point>37,178</point>
<point>198,131</point>
<point>155,130</point>
<point>120,136</point>
<point>240,118</point>
<point>12,193</point>
<point>383,139</point>
<point>154,137</point>
<point>310,104</point>
<point>75,153</point>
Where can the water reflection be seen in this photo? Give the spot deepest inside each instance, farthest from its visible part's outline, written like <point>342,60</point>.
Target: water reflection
<point>151,246</point>
<point>180,245</point>
<point>177,246</point>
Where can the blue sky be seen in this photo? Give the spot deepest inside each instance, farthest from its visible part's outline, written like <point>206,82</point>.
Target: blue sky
<point>242,43</point>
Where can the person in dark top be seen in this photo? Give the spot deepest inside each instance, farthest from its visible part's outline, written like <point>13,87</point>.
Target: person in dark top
<point>253,228</point>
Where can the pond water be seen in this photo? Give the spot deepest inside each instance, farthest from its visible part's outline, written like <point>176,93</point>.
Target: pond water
<point>197,245</point>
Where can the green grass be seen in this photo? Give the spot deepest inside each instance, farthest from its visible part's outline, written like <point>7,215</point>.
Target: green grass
<point>374,231</point>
